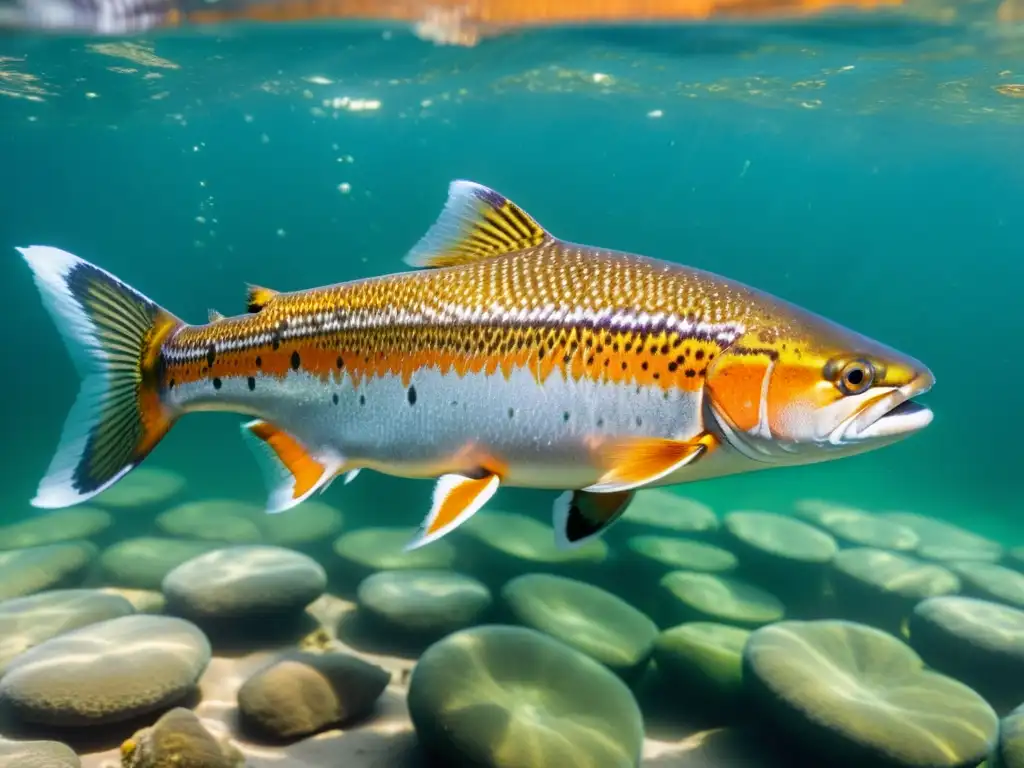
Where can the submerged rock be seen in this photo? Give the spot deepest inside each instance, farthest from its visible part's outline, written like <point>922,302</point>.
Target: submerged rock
<point>977,642</point>
<point>244,582</point>
<point>422,606</point>
<point>853,527</point>
<point>585,617</point>
<point>662,509</point>
<point>142,487</point>
<point>304,692</point>
<point>990,582</point>
<point>37,754</point>
<point>306,523</point>
<point>851,695</point>
<point>881,588</point>
<point>25,622</point>
<point>106,672</point>
<point>179,740</point>
<point>1010,752</point>
<point>687,597</point>
<point>142,563</point>
<point>143,600</point>
<point>27,571</point>
<point>659,554</point>
<point>782,554</point>
<point>221,520</point>
<point>369,550</point>
<point>702,664</point>
<point>507,697</point>
<point>944,542</point>
<point>55,527</point>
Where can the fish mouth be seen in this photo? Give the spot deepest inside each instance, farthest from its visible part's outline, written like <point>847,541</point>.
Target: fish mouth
<point>892,415</point>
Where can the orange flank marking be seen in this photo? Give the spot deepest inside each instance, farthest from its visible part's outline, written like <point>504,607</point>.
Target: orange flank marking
<point>460,498</point>
<point>792,385</point>
<point>306,470</point>
<point>736,385</point>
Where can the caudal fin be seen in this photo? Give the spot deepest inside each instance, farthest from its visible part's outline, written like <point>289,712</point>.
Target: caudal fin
<point>115,336</point>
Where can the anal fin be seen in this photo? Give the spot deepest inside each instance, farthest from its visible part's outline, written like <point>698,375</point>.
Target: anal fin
<point>636,462</point>
<point>292,472</point>
<point>581,516</point>
<point>456,499</point>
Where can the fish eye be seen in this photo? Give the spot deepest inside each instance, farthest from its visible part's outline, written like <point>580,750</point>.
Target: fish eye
<point>856,377</point>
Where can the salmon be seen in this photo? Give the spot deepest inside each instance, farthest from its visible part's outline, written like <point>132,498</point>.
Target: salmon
<point>507,357</point>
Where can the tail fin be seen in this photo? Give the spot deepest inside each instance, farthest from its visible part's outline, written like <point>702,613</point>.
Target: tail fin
<point>115,336</point>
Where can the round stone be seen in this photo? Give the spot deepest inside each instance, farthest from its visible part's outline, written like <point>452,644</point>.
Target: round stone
<point>528,541</point>
<point>585,617</point>
<point>703,662</point>
<point>25,622</point>
<point>779,537</point>
<point>1010,752</point>
<point>417,604</point>
<point>852,527</point>
<point>504,697</point>
<point>54,527</point>
<point>943,542</point>
<point>383,549</point>
<point>244,582</point>
<point>220,520</point>
<point>306,523</point>
<point>990,582</point>
<point>673,554</point>
<point>179,740</point>
<point>142,487</point>
<point>977,642</point>
<point>37,754</point>
<point>852,695</point>
<point>142,600</point>
<point>706,597</point>
<point>881,588</point>
<point>27,571</point>
<point>107,672</point>
<point>302,693</point>
<point>142,563</point>
<point>668,511</point>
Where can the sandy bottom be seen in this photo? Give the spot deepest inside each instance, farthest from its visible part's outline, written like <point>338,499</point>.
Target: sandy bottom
<point>387,739</point>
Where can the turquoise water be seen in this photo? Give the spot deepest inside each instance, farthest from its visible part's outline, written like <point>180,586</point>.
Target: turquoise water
<point>870,173</point>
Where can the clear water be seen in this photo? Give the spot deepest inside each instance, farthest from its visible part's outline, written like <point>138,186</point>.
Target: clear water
<point>871,172</point>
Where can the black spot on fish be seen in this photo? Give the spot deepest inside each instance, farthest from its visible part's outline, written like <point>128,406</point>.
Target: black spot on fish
<point>664,349</point>
<point>567,359</point>
<point>362,399</point>
<point>625,365</point>
<point>639,421</point>
<point>252,383</point>
<point>296,360</point>
<point>703,371</point>
<point>341,363</point>
<point>216,383</point>
<point>170,384</point>
<point>334,398</point>
<point>680,360</point>
<point>565,415</point>
<point>690,373</point>
<point>657,375</point>
<point>511,413</point>
<point>259,361</point>
<point>211,355</point>
<point>672,367</point>
<point>600,423</point>
<point>540,352</point>
<point>411,395</point>
<point>627,346</point>
<point>700,354</point>
<point>275,344</point>
<point>644,365</point>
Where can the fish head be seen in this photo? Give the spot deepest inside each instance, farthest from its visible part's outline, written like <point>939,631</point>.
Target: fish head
<point>800,389</point>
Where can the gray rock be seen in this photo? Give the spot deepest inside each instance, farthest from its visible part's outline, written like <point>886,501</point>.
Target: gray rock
<point>27,571</point>
<point>420,605</point>
<point>143,563</point>
<point>37,754</point>
<point>179,740</point>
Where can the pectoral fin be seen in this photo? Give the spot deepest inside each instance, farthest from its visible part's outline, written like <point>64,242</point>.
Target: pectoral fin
<point>636,462</point>
<point>292,472</point>
<point>456,499</point>
<point>580,516</point>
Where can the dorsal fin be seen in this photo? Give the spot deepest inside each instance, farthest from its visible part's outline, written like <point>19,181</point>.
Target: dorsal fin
<point>213,315</point>
<point>476,223</point>
<point>258,297</point>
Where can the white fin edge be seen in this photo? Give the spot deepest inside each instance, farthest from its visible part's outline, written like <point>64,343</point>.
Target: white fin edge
<point>444,486</point>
